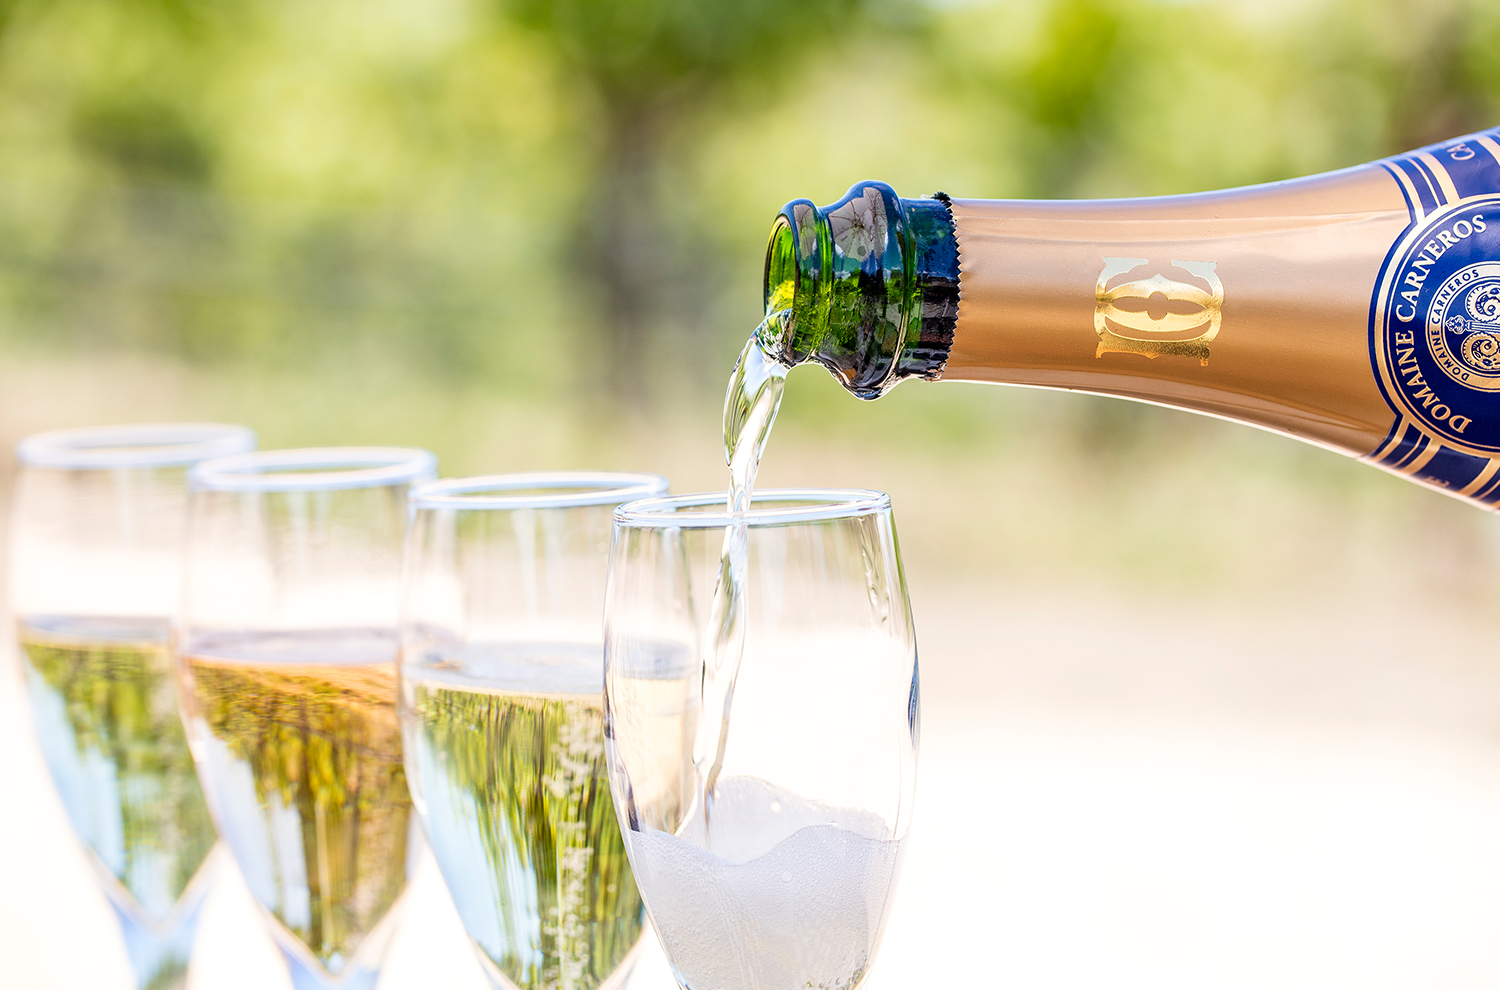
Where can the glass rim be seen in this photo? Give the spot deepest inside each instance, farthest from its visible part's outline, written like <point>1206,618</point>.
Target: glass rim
<point>828,503</point>
<point>575,489</point>
<point>306,469</point>
<point>134,445</point>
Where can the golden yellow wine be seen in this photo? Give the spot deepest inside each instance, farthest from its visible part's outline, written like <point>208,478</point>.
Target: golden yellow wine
<point>299,747</point>
<point>105,708</point>
<point>516,800</point>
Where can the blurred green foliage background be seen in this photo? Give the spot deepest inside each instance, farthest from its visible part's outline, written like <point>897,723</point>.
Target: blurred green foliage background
<point>528,233</point>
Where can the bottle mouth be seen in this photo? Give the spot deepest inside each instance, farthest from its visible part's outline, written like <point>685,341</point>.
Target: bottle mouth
<point>782,269</point>
<point>794,276</point>
<point>866,287</point>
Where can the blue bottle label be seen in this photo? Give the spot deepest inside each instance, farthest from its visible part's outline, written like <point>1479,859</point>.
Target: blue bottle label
<point>1435,319</point>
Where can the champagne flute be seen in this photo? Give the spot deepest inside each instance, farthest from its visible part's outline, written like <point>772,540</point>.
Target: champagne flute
<point>764,817</point>
<point>503,714</point>
<point>286,659</point>
<point>95,575</point>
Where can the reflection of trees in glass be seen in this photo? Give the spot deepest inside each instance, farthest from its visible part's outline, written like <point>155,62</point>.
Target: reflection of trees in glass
<point>534,768</point>
<point>323,741</point>
<point>122,710</point>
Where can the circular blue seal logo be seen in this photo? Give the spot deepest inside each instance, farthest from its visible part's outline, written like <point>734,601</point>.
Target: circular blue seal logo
<point>1437,328</point>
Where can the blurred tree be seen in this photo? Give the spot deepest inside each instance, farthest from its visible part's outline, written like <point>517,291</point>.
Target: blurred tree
<point>463,185</point>
<point>1064,90</point>
<point>144,141</point>
<point>652,69</point>
<point>1431,61</point>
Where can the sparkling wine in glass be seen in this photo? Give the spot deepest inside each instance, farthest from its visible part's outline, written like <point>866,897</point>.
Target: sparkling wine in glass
<point>502,707</point>
<point>765,816</point>
<point>95,574</point>
<point>286,657</point>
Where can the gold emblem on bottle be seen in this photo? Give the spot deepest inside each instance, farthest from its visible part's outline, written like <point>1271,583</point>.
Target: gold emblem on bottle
<point>1463,326</point>
<point>1157,316</point>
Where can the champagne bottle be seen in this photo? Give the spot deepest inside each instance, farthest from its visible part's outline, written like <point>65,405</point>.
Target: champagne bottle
<point>1358,309</point>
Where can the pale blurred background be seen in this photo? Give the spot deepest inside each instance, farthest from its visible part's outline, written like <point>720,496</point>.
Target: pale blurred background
<point>1203,707</point>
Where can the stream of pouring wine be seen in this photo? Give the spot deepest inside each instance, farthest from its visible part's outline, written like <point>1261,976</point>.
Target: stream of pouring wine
<point>750,406</point>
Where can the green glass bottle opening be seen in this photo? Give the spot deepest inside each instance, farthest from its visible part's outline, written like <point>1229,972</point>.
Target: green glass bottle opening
<point>866,287</point>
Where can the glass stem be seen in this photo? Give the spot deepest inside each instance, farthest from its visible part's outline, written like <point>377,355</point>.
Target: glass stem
<point>362,972</point>
<point>311,976</point>
<point>159,951</point>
